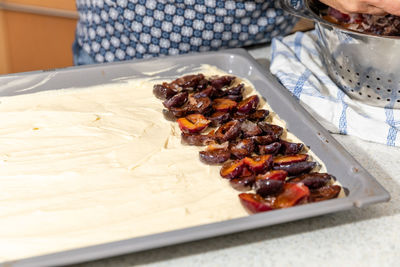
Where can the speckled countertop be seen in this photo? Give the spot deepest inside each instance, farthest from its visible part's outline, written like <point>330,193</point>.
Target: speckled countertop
<point>358,237</point>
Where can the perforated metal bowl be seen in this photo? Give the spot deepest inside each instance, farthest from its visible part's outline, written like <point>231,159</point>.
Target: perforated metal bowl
<point>365,66</point>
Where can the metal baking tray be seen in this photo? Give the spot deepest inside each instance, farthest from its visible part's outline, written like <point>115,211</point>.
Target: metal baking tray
<point>363,188</point>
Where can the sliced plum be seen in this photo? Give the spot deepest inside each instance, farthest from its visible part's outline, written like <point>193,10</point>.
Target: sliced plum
<point>168,115</point>
<point>179,112</point>
<point>203,84</point>
<point>214,156</point>
<point>269,149</point>
<point>239,117</point>
<point>163,92</point>
<point>209,92</point>
<point>314,180</point>
<point>193,123</point>
<point>223,104</point>
<point>200,105</point>
<point>268,187</point>
<point>232,169</point>
<point>258,115</point>
<point>221,81</point>
<point>197,139</point>
<point>297,168</point>
<point>291,195</point>
<point>290,159</point>
<point>258,164</point>
<point>250,129</point>
<point>228,131</point>
<point>271,129</point>
<point>236,98</point>
<point>245,180</point>
<point>265,139</point>
<point>243,148</point>
<point>236,90</point>
<point>176,101</point>
<point>288,148</point>
<point>280,175</point>
<point>324,193</point>
<point>242,183</point>
<point>218,118</point>
<point>248,105</point>
<point>254,203</point>
<point>188,82</point>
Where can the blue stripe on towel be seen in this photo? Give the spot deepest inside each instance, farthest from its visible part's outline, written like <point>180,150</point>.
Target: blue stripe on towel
<point>343,116</point>
<point>392,134</point>
<point>300,83</point>
<point>298,44</point>
<point>273,48</point>
<point>287,80</point>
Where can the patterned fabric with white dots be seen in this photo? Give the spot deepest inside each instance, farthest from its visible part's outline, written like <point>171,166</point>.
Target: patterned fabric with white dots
<point>114,30</point>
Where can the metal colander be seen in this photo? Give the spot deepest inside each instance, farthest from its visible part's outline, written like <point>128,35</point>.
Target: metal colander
<point>365,66</point>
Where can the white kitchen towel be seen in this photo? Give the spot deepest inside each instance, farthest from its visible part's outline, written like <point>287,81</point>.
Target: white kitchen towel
<point>297,64</point>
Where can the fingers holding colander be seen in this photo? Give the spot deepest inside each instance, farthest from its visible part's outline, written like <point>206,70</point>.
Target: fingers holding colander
<point>374,7</point>
<point>389,6</point>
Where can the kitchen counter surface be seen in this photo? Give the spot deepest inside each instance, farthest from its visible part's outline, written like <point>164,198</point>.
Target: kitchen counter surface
<point>358,237</point>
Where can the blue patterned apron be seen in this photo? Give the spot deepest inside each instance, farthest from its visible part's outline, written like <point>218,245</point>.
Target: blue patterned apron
<point>114,30</point>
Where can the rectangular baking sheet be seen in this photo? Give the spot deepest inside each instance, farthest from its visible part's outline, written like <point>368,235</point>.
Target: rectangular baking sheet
<point>364,189</point>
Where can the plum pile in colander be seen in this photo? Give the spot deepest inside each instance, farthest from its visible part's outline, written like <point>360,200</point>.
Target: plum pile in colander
<point>387,25</point>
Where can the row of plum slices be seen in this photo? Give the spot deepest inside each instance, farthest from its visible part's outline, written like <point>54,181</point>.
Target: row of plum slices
<point>212,112</point>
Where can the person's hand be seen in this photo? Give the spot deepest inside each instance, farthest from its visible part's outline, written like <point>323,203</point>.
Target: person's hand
<point>376,7</point>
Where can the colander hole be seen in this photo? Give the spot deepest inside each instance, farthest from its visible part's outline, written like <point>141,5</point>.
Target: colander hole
<point>352,90</point>
<point>340,67</point>
<point>378,88</point>
<point>388,90</point>
<point>388,100</point>
<point>358,84</point>
<point>336,73</point>
<point>348,70</point>
<point>398,91</point>
<point>378,98</point>
<point>398,100</point>
<point>378,79</point>
<point>389,81</point>
<point>369,96</point>
<point>359,93</point>
<point>350,81</point>
<point>358,74</point>
<point>368,86</point>
<point>343,77</point>
<point>367,76</point>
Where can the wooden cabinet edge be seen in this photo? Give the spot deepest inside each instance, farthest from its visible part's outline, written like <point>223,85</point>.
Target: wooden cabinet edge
<point>39,10</point>
<point>303,25</point>
<point>4,56</point>
<point>57,4</point>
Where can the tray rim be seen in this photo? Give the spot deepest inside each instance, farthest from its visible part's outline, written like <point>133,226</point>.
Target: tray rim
<point>204,231</point>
